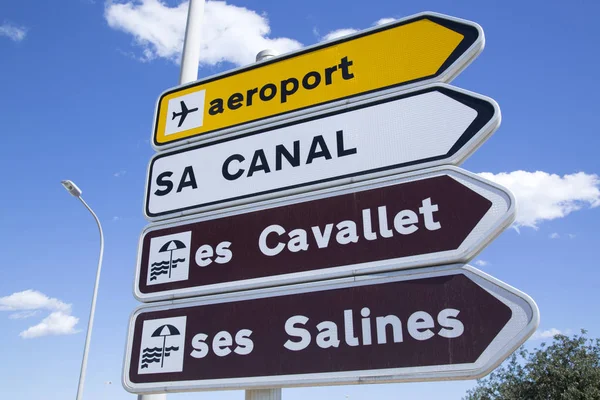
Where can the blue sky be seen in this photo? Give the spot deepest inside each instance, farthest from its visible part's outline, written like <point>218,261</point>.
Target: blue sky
<point>80,79</point>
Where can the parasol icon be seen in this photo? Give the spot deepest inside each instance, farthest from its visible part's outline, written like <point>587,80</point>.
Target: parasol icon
<point>164,331</point>
<point>171,246</point>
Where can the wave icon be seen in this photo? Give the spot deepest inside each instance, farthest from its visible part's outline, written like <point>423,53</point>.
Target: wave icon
<point>160,264</point>
<point>155,355</point>
<point>163,267</point>
<point>166,263</point>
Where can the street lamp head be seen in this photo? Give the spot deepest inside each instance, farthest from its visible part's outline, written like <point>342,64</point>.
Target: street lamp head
<point>71,188</point>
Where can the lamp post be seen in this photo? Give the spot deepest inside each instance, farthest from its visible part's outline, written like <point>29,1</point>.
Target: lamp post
<point>75,191</point>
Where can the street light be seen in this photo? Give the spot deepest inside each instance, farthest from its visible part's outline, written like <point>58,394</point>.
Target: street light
<point>75,191</point>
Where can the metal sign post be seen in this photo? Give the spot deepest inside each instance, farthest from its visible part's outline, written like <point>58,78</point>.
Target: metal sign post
<point>152,397</point>
<point>263,394</point>
<point>190,58</point>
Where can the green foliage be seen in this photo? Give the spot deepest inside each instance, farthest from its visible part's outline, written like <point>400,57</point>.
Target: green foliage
<point>567,369</point>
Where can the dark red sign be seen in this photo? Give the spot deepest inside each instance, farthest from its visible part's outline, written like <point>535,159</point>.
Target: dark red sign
<point>333,234</point>
<point>398,326</point>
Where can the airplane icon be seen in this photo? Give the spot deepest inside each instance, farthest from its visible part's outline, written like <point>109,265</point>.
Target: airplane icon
<point>183,114</point>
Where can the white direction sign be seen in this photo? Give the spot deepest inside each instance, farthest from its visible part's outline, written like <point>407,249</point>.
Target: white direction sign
<point>436,124</point>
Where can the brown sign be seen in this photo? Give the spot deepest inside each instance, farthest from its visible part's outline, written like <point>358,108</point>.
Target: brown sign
<point>419,221</point>
<point>437,323</point>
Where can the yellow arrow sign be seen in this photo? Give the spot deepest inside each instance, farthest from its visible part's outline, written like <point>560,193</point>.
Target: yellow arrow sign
<point>416,50</point>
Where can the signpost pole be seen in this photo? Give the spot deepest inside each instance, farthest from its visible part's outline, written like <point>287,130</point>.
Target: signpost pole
<point>190,58</point>
<point>264,394</point>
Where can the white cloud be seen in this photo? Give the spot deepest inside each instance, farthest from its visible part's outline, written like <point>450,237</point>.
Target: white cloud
<point>32,300</point>
<point>13,32</point>
<point>315,32</point>
<point>384,21</point>
<point>24,314</point>
<point>481,263</point>
<point>120,173</point>
<point>554,236</point>
<point>571,236</point>
<point>547,334</point>
<point>338,33</point>
<point>29,303</point>
<point>229,33</point>
<point>115,218</point>
<point>542,196</point>
<point>57,323</point>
